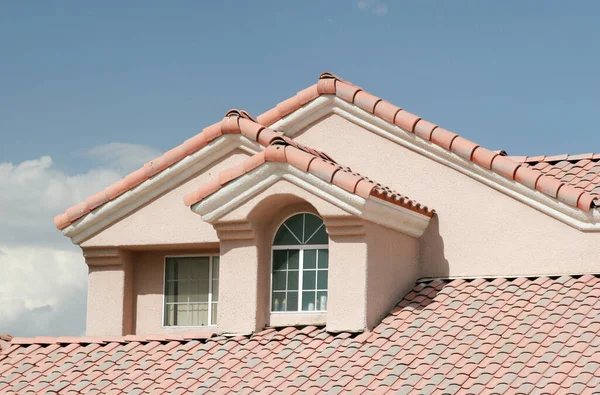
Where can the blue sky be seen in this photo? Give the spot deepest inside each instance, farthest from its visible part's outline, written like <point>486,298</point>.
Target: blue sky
<point>516,75</point>
<point>91,90</point>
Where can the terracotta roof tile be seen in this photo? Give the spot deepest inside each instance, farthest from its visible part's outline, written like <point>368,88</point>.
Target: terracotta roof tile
<point>235,121</point>
<point>480,347</point>
<point>330,84</point>
<point>241,122</point>
<point>581,172</point>
<point>317,163</point>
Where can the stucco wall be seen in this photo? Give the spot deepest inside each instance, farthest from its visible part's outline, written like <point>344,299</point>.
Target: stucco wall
<point>166,220</point>
<point>478,230</point>
<point>109,303</point>
<point>393,268</point>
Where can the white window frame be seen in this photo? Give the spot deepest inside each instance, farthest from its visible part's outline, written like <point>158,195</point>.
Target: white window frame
<point>301,248</point>
<point>210,285</point>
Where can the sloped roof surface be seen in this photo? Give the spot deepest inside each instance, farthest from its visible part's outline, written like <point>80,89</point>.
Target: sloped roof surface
<point>579,171</point>
<point>317,163</point>
<point>481,336</point>
<point>330,84</point>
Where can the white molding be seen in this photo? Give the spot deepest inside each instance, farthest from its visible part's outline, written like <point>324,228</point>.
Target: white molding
<point>166,180</point>
<point>329,104</point>
<point>245,187</point>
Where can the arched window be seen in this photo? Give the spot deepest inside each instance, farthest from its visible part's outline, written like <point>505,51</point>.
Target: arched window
<point>300,263</point>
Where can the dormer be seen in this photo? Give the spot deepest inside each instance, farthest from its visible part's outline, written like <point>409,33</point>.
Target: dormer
<point>312,242</point>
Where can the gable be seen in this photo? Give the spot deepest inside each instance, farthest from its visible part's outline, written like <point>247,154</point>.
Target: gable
<point>477,230</point>
<point>165,220</point>
<point>334,95</point>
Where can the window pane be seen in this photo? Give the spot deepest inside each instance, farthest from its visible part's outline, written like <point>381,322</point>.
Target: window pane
<point>169,315</point>
<point>295,224</point>
<point>319,238</point>
<point>215,290</point>
<point>279,260</point>
<point>279,281</point>
<point>181,315</point>
<point>187,289</point>
<point>170,289</point>
<point>308,300</point>
<point>183,291</point>
<point>311,224</point>
<point>322,279</point>
<point>309,279</point>
<point>310,259</point>
<point>284,237</point>
<point>323,258</point>
<point>197,314</point>
<point>292,284</point>
<point>278,301</point>
<point>214,314</point>
<point>170,275</point>
<point>292,301</point>
<point>322,300</point>
<point>215,272</point>
<point>293,259</point>
<point>203,290</point>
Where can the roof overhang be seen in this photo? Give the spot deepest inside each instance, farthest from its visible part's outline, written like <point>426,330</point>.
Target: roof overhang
<point>245,187</point>
<point>292,124</point>
<point>162,182</point>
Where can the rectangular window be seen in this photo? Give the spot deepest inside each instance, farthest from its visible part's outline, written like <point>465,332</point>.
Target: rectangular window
<point>299,280</point>
<point>191,291</point>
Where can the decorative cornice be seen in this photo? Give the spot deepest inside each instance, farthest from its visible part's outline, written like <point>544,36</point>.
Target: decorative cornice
<point>245,187</point>
<point>108,256</point>
<point>344,226</point>
<point>238,230</point>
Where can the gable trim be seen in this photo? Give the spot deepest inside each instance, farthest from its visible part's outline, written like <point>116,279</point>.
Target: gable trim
<point>162,182</point>
<point>588,221</point>
<point>247,186</point>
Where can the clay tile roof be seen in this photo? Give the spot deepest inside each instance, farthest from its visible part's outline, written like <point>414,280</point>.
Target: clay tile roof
<point>330,84</point>
<point>581,171</point>
<point>284,149</point>
<point>234,122</point>
<point>453,336</point>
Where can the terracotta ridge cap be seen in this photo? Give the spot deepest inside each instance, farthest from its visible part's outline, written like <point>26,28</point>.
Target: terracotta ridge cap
<point>234,112</point>
<point>328,75</point>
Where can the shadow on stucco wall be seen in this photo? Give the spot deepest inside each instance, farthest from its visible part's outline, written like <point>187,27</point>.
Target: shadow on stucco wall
<point>433,262</point>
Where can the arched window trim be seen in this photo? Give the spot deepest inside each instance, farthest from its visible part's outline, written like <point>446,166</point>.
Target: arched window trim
<point>301,248</point>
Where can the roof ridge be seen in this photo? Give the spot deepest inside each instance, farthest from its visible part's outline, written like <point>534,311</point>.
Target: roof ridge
<point>498,162</point>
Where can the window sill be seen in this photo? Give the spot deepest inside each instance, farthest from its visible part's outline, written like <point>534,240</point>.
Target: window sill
<point>289,318</point>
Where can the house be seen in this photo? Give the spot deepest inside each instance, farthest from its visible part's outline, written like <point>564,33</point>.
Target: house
<point>251,258</point>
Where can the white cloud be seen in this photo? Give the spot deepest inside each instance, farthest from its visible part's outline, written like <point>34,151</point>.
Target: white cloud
<point>123,157</point>
<point>43,283</point>
<point>376,7</point>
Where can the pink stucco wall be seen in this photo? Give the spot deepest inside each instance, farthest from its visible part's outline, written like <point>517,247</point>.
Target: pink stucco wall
<point>166,220</point>
<point>477,231</point>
